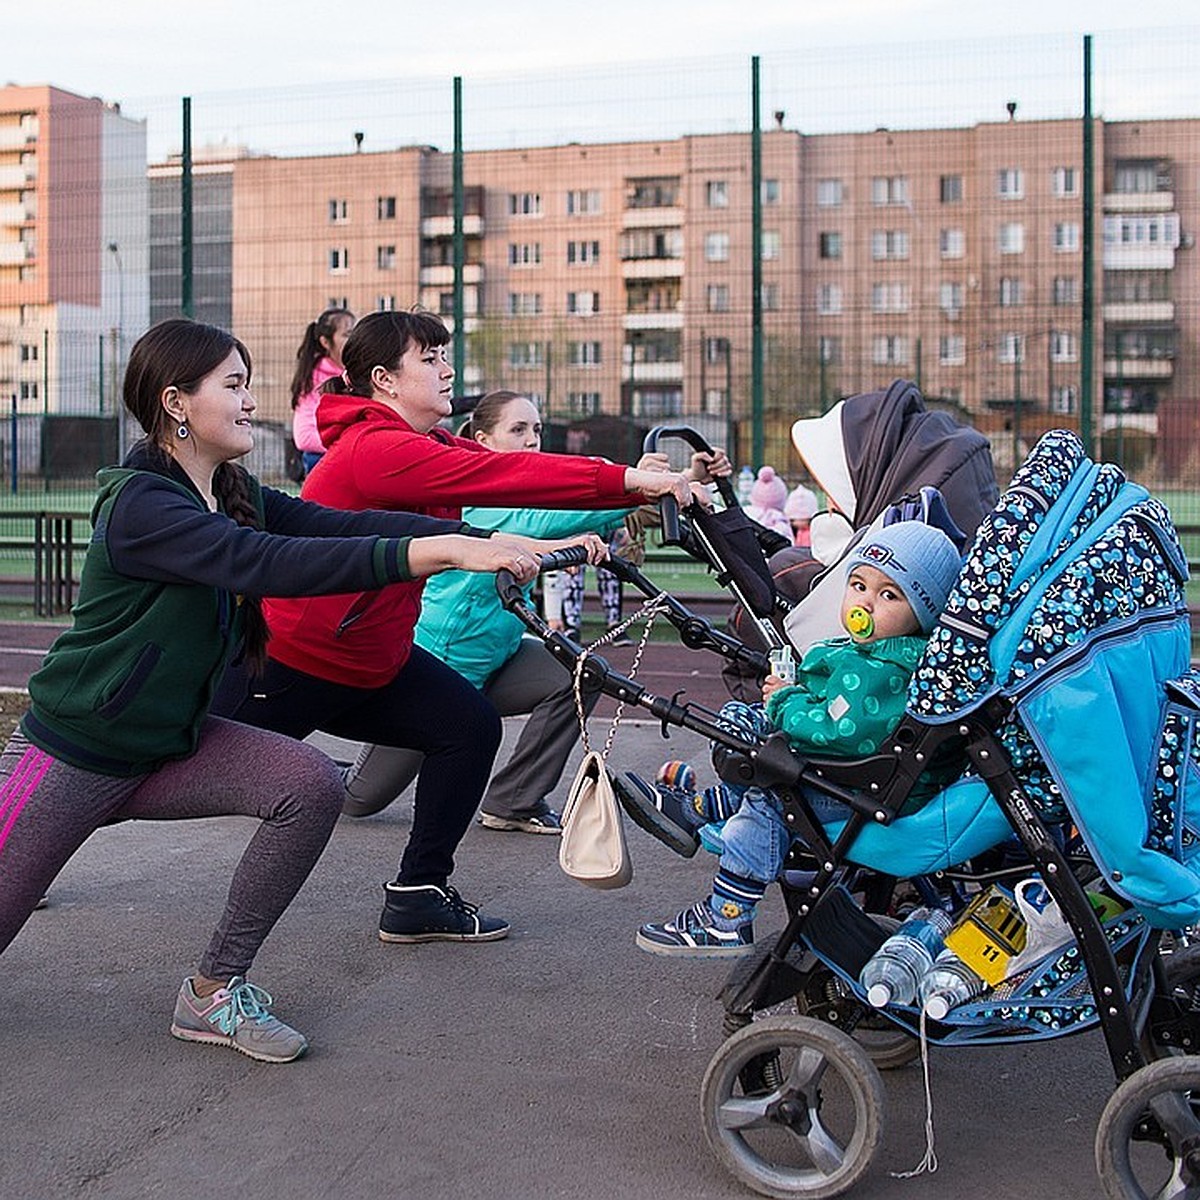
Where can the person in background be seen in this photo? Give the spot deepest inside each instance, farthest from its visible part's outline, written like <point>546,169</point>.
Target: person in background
<point>572,583</point>
<point>118,726</point>
<point>318,360</point>
<point>347,664</point>
<point>850,693</point>
<point>800,508</point>
<point>767,498</point>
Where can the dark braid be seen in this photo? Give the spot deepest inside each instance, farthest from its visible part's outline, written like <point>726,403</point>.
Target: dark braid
<point>231,486</point>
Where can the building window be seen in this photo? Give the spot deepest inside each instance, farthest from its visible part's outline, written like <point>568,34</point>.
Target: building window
<point>525,354</point>
<point>952,350</point>
<point>716,247</point>
<point>524,204</point>
<point>829,299</point>
<point>28,389</point>
<point>1011,348</point>
<point>717,297</point>
<point>1141,178</point>
<point>829,193</point>
<point>1010,184</point>
<point>583,304</point>
<point>652,192</point>
<point>829,349</point>
<point>583,354</point>
<point>582,253</point>
<point>524,304</point>
<point>1066,290</point>
<point>583,404</point>
<point>339,211</point>
<point>524,254</point>
<point>1064,181</point>
<point>385,258</point>
<point>716,193</point>
<point>889,189</point>
<point>889,244</point>
<point>889,350</point>
<point>29,352</point>
<point>770,192</point>
<point>338,302</point>
<point>1012,238</point>
<point>1062,399</point>
<point>1066,237</point>
<point>385,208</point>
<point>1011,292</point>
<point>770,297</point>
<point>339,260</point>
<point>950,298</point>
<point>830,245</point>
<point>889,297</point>
<point>770,245</point>
<point>950,189</point>
<point>952,243</point>
<point>1063,347</point>
<point>715,400</point>
<point>585,203</point>
<point>385,303</point>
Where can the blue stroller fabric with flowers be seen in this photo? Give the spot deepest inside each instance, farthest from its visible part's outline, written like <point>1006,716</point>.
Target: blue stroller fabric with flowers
<point>1070,604</point>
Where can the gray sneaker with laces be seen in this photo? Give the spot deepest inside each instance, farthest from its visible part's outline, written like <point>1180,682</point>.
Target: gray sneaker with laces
<point>237,1015</point>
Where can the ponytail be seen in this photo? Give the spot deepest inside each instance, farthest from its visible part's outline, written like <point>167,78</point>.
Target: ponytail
<point>312,349</point>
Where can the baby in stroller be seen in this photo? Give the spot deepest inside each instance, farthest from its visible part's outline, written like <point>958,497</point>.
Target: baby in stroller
<point>849,695</point>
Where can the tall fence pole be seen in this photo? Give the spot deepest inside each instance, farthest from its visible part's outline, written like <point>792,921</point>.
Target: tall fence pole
<point>460,245</point>
<point>1086,340</point>
<point>186,292</point>
<point>13,446</point>
<point>756,330</point>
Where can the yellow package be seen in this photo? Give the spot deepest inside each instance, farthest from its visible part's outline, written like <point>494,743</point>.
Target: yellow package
<point>989,934</point>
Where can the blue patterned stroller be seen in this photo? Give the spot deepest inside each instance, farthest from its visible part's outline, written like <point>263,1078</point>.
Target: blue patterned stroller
<point>1058,676</point>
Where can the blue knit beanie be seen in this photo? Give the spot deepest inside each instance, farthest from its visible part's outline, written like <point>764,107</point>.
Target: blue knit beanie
<point>920,559</point>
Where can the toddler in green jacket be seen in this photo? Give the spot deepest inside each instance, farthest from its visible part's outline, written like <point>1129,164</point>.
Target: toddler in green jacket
<point>849,694</point>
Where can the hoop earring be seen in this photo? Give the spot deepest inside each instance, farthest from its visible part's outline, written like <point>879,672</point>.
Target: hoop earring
<point>183,431</point>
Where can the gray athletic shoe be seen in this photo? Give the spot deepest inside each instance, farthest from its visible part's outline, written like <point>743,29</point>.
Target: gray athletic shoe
<point>237,1015</point>
<point>543,820</point>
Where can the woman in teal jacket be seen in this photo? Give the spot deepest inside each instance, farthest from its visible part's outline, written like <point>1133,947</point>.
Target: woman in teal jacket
<point>464,624</point>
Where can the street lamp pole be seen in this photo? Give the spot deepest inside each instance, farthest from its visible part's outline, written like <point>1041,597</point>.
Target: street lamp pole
<point>115,251</point>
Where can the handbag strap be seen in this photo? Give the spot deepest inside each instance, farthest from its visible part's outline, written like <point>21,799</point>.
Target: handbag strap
<point>649,611</point>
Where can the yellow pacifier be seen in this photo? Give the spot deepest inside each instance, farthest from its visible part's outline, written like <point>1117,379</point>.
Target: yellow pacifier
<point>859,622</point>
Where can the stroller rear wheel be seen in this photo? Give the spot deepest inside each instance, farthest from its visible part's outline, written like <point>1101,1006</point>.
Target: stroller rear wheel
<point>793,1108</point>
<point>1158,1104</point>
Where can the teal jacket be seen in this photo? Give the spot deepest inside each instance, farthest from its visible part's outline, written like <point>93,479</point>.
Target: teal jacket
<point>462,620</point>
<point>159,611</point>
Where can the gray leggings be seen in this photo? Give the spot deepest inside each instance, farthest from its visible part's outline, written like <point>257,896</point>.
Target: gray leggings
<point>48,810</point>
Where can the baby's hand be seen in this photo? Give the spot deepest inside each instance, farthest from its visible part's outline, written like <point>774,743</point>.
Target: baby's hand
<point>771,685</point>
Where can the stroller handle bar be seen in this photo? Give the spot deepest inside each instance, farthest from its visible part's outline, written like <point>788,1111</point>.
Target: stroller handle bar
<point>667,506</point>
<point>511,591</point>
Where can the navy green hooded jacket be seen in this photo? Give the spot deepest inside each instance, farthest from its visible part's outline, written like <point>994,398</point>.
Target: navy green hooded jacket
<point>159,608</point>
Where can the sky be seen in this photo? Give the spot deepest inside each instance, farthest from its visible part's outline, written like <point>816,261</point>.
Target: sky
<point>144,53</point>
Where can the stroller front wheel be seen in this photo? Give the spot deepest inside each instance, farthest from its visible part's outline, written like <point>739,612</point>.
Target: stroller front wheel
<point>793,1108</point>
<point>1156,1109</point>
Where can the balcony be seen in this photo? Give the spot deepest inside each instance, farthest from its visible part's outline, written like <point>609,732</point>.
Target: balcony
<point>1138,202</point>
<point>18,175</point>
<point>654,372</point>
<point>16,137</point>
<point>443,227</point>
<point>652,268</point>
<point>1138,368</point>
<point>15,254</point>
<point>444,276</point>
<point>652,320</point>
<point>1159,311</point>
<point>643,218</point>
<point>16,214</point>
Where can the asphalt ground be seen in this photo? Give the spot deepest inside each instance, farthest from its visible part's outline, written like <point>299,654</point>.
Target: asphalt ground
<point>562,1061</point>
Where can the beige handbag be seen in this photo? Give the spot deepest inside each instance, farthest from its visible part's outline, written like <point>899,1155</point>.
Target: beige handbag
<point>592,848</point>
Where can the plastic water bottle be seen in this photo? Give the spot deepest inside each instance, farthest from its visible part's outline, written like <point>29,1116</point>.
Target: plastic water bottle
<point>948,983</point>
<point>745,481</point>
<point>896,968</point>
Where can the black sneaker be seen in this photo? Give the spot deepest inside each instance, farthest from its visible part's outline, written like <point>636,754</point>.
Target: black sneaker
<point>662,811</point>
<point>428,913</point>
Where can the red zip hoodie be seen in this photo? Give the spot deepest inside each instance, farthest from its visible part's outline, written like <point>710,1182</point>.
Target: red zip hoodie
<point>375,459</point>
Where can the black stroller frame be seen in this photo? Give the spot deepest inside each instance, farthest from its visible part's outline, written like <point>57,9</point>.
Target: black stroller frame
<point>1154,1008</point>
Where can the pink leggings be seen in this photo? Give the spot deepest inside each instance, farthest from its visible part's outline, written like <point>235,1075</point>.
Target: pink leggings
<point>48,810</point>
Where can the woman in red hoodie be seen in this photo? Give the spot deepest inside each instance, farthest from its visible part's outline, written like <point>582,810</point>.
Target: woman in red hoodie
<point>346,664</point>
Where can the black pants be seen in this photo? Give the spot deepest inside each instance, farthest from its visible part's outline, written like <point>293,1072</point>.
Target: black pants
<point>427,707</point>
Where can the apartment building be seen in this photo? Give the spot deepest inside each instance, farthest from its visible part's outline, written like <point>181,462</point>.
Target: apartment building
<point>73,249</point>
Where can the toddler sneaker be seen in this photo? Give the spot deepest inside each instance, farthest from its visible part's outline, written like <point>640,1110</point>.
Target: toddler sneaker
<point>237,1015</point>
<point>695,933</point>
<point>666,812</point>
